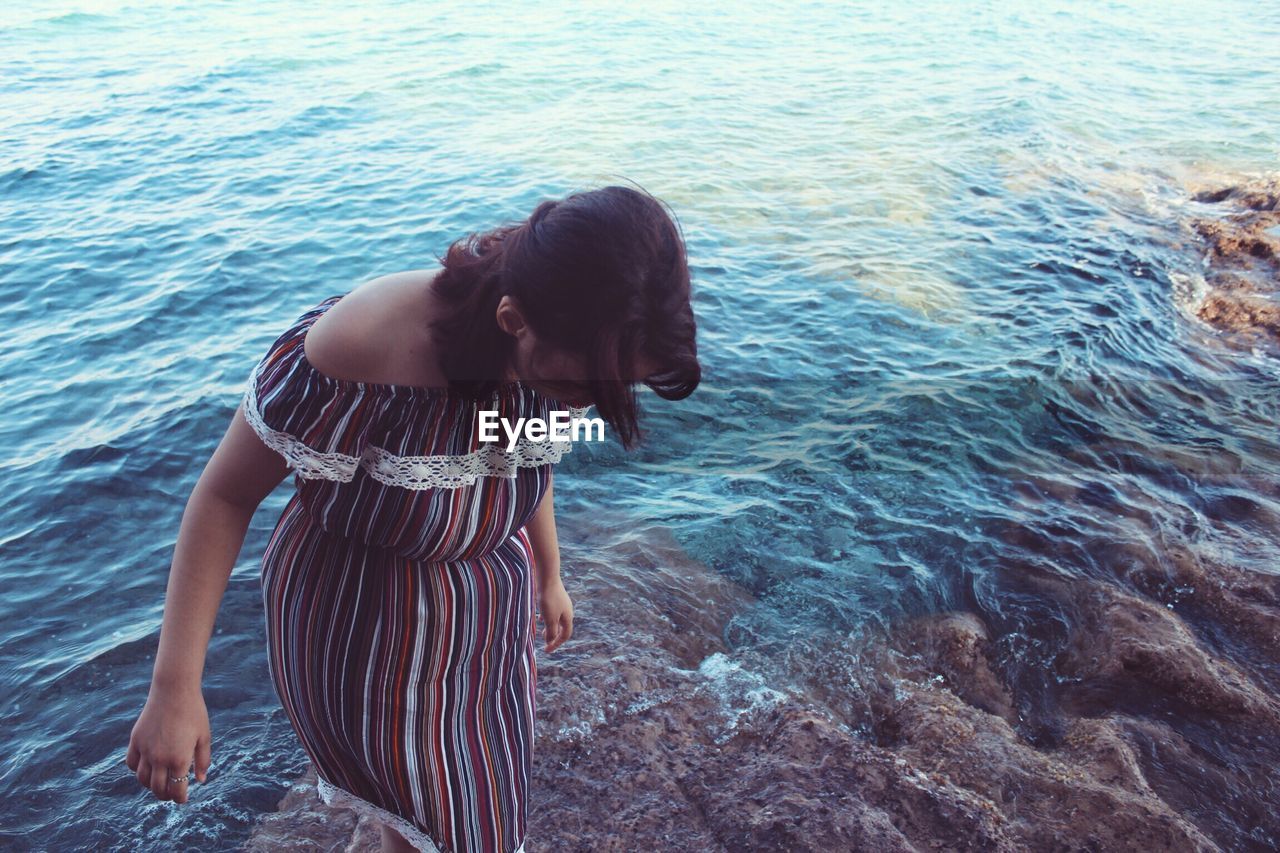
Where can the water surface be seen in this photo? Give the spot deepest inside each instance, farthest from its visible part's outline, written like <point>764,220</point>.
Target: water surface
<point>943,278</point>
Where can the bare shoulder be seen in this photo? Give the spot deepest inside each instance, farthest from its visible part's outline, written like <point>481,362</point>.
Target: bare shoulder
<point>377,333</point>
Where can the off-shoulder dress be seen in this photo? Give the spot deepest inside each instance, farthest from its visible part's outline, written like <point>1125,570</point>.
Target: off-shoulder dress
<point>399,594</point>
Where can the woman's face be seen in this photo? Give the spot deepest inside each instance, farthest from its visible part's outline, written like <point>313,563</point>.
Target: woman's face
<point>555,373</point>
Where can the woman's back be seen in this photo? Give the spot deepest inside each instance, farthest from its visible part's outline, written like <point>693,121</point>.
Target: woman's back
<point>380,333</point>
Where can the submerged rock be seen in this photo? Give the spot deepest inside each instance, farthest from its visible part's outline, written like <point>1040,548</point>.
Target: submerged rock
<point>303,822</point>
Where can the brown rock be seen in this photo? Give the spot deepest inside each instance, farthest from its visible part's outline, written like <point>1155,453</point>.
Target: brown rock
<point>1243,272</point>
<point>653,732</point>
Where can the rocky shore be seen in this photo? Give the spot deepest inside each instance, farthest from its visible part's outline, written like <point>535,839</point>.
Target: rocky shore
<point>650,731</point>
<point>1241,230</point>
<point>1151,723</point>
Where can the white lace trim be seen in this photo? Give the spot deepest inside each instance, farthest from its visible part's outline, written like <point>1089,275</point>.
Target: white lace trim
<point>442,471</point>
<point>451,472</point>
<point>332,795</point>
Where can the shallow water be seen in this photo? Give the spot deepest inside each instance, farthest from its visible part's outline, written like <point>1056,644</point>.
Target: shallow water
<point>943,277</point>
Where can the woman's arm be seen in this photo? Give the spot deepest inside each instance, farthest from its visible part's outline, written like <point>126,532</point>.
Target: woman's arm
<point>238,477</point>
<point>172,731</point>
<point>542,536</point>
<point>553,600</point>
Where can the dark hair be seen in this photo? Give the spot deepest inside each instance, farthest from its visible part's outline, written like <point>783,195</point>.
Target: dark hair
<point>600,274</point>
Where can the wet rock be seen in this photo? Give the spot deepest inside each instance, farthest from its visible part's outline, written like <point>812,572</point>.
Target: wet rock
<point>1129,651</point>
<point>652,731</point>
<point>799,781</point>
<point>1089,793</point>
<point>955,646</point>
<point>1242,261</point>
<point>303,822</point>
<point>1238,310</point>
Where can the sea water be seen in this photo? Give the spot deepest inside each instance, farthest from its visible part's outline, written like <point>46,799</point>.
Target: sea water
<point>939,257</point>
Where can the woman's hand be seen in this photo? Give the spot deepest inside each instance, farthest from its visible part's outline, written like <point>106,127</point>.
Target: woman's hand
<point>171,733</point>
<point>557,614</point>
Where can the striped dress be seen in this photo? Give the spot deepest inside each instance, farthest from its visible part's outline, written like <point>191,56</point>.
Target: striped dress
<point>399,593</point>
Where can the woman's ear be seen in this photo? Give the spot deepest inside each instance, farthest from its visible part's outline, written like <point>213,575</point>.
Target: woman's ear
<point>508,317</point>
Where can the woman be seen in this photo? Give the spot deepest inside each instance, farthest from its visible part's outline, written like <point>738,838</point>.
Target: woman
<point>399,582</point>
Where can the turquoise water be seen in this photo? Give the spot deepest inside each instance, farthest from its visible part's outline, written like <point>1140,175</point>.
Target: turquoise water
<point>940,260</point>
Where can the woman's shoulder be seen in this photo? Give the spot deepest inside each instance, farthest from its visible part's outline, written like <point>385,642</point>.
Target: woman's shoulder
<point>378,334</point>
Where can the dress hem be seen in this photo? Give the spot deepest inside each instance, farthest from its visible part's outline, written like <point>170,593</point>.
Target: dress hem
<point>332,795</point>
